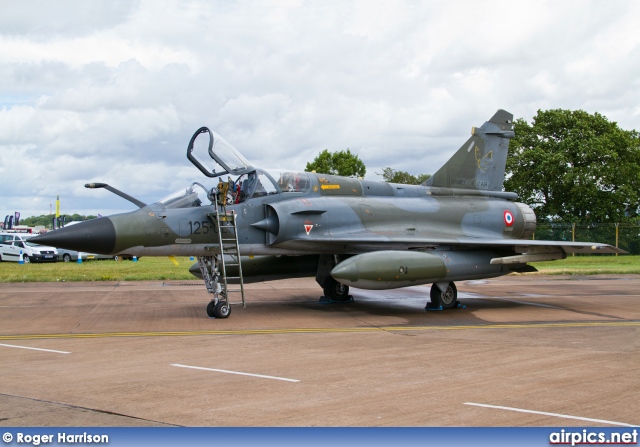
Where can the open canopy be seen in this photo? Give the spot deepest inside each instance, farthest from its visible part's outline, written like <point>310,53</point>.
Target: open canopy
<point>208,150</point>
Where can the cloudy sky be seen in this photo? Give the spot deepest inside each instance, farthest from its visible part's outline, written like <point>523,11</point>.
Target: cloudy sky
<point>112,91</point>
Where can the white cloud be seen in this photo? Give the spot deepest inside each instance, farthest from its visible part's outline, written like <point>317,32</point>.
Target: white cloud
<point>112,91</point>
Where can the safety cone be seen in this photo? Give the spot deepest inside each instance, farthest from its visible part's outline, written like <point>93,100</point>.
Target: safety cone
<point>21,260</point>
<point>79,257</point>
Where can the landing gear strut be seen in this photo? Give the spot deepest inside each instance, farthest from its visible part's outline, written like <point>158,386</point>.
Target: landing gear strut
<point>219,306</point>
<point>445,299</point>
<point>333,290</point>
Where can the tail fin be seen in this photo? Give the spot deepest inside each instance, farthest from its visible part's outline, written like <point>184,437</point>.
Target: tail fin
<point>480,162</point>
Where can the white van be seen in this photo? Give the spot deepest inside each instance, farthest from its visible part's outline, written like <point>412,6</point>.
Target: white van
<point>12,243</point>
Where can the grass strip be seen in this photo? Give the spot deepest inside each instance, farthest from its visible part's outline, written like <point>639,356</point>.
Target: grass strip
<point>161,268</point>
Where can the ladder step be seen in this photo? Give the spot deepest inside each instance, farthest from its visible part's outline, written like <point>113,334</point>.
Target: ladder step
<point>227,231</point>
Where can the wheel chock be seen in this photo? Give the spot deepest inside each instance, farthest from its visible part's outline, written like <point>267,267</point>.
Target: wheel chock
<point>432,307</point>
<point>324,300</point>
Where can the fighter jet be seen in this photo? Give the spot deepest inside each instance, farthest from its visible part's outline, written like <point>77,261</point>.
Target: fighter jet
<point>459,225</point>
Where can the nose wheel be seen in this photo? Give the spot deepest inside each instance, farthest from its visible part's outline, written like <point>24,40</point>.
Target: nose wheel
<point>221,309</point>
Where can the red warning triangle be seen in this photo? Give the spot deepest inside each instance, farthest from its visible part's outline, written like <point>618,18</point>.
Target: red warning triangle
<point>308,228</point>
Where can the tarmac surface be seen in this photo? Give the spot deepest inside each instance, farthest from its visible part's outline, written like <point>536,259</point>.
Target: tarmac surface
<point>525,351</point>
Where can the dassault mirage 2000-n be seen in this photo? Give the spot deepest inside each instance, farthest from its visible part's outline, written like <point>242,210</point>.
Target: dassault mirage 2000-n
<point>459,225</point>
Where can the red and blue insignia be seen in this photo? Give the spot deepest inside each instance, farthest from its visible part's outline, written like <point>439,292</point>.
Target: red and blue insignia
<point>508,218</point>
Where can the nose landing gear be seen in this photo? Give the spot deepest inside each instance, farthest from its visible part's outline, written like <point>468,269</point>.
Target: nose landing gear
<point>219,309</point>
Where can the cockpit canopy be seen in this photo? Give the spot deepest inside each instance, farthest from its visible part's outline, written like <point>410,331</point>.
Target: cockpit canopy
<point>254,184</point>
<point>294,182</point>
<point>193,195</point>
<point>215,157</point>
<point>208,149</point>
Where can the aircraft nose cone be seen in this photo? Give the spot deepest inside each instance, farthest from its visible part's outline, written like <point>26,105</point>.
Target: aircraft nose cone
<point>93,236</point>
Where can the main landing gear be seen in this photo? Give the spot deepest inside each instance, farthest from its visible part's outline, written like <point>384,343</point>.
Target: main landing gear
<point>335,291</point>
<point>443,296</point>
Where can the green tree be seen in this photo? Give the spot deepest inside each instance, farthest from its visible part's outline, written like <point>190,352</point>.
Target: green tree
<point>46,219</point>
<point>392,176</point>
<point>575,167</point>
<point>337,163</point>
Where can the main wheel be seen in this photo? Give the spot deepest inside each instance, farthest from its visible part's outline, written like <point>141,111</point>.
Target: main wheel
<point>446,299</point>
<point>67,257</point>
<point>335,291</point>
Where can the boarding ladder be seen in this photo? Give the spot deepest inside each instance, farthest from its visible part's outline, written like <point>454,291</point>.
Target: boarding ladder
<point>227,257</point>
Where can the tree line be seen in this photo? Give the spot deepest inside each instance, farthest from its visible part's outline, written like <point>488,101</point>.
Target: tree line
<point>572,166</point>
<point>347,164</point>
<point>46,220</point>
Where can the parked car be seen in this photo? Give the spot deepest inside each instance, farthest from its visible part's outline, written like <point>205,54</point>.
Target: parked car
<point>11,244</point>
<point>72,256</point>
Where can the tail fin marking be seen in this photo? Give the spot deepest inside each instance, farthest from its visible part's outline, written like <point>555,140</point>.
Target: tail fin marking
<point>481,161</point>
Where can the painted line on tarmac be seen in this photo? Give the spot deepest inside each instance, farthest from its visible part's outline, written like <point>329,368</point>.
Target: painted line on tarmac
<point>35,349</point>
<point>235,372</point>
<point>590,324</point>
<point>557,415</point>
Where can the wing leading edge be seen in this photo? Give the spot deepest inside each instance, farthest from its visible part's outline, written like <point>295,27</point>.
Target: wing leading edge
<point>367,242</point>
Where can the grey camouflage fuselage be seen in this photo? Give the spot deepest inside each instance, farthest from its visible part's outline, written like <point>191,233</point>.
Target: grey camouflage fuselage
<point>459,225</point>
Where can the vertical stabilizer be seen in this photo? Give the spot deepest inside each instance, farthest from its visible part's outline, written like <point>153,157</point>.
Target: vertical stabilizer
<point>480,162</point>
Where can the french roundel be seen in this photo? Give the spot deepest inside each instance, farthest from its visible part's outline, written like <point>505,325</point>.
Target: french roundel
<point>508,218</point>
